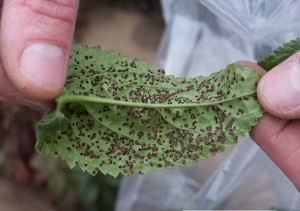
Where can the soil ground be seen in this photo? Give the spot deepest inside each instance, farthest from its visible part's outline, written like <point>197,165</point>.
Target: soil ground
<point>128,32</point>
<point>19,197</point>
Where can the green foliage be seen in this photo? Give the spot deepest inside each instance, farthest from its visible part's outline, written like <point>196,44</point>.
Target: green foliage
<point>280,54</point>
<point>119,115</point>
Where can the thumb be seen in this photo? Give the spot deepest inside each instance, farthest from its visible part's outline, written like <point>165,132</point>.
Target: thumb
<point>279,89</point>
<point>35,39</point>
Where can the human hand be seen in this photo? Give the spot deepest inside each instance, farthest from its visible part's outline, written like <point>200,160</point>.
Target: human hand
<point>35,42</point>
<point>278,132</point>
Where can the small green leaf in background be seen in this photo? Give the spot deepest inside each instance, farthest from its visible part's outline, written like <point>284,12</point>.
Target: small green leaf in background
<point>280,54</point>
<point>119,115</point>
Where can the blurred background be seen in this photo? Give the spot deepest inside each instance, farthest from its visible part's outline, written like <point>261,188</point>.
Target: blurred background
<point>29,181</point>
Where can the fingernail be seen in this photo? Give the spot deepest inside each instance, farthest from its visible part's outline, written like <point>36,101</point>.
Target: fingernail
<point>44,64</point>
<point>281,86</point>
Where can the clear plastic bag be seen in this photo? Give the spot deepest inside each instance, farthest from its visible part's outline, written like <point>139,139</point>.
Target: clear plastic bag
<point>203,36</point>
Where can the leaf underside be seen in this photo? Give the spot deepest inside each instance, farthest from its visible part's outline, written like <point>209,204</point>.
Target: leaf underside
<point>118,115</point>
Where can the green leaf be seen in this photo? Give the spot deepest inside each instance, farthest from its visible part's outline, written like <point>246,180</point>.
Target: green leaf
<point>280,54</point>
<point>54,121</point>
<point>119,115</point>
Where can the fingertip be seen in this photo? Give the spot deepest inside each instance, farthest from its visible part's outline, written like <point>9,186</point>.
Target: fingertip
<point>279,90</point>
<point>36,43</point>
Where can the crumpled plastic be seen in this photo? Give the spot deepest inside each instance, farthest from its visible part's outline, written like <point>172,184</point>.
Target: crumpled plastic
<point>201,37</point>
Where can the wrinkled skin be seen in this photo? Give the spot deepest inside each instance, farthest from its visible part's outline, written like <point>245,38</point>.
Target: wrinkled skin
<point>278,132</point>
<point>24,79</point>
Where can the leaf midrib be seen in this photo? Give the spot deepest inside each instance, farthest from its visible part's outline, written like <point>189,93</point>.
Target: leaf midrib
<point>62,100</point>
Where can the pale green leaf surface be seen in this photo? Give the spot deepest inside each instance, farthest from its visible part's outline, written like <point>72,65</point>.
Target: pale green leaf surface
<point>119,115</point>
